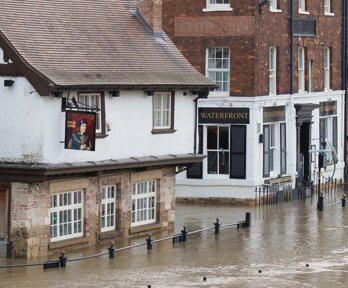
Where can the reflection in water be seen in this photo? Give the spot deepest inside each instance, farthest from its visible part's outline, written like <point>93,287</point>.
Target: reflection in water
<point>289,245</point>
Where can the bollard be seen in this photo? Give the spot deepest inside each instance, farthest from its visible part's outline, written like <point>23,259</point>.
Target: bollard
<point>183,234</point>
<point>217,226</point>
<point>149,242</point>
<point>344,200</point>
<point>247,219</point>
<point>320,205</point>
<point>112,250</point>
<point>62,259</point>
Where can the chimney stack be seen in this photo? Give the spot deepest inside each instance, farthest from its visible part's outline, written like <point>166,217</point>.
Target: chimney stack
<point>152,12</point>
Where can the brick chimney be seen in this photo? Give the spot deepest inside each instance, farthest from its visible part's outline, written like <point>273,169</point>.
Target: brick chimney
<point>152,12</point>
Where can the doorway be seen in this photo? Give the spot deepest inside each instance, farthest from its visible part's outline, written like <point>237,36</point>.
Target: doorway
<point>3,213</point>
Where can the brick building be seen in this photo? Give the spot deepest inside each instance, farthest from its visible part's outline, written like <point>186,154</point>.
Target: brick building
<point>93,96</point>
<point>279,91</point>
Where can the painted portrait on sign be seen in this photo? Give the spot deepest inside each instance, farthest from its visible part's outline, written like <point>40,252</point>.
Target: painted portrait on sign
<point>80,130</point>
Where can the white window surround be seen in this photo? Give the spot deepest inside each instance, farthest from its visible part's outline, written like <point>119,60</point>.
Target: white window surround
<point>66,215</point>
<point>272,67</point>
<point>301,72</point>
<point>302,7</point>
<point>327,8</point>
<point>143,203</point>
<point>108,208</point>
<point>93,100</point>
<point>327,69</point>
<point>218,70</point>
<point>162,110</point>
<point>273,6</point>
<point>212,6</point>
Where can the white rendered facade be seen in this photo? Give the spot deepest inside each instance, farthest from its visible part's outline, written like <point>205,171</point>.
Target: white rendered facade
<point>222,186</point>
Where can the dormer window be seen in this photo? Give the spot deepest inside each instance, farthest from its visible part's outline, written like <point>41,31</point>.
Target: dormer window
<point>218,5</point>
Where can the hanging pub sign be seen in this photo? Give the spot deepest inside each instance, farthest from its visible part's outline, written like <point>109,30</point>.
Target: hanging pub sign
<point>80,130</point>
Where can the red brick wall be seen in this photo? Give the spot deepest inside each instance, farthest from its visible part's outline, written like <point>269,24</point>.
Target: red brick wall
<point>152,11</point>
<point>249,50</point>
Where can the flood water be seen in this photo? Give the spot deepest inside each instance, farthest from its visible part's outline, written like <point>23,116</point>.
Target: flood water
<point>287,245</point>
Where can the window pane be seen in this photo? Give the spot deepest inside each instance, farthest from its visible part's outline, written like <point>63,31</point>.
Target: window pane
<point>212,137</point>
<point>212,162</point>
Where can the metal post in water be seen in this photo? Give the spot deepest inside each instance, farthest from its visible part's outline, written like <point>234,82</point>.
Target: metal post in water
<point>149,242</point>
<point>217,226</point>
<point>111,250</point>
<point>320,205</point>
<point>344,200</point>
<point>247,219</point>
<point>183,234</point>
<point>62,259</point>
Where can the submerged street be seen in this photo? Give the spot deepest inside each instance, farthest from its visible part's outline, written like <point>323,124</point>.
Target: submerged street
<point>288,245</point>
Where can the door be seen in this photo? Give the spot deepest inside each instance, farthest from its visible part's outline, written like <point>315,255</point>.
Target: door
<point>3,213</point>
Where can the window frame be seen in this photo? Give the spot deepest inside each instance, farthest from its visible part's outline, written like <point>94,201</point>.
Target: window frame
<point>170,113</point>
<point>210,6</point>
<point>151,192</point>
<point>222,154</point>
<point>59,209</point>
<point>328,8</point>
<point>274,149</point>
<point>100,114</point>
<point>224,71</point>
<point>302,6</point>
<point>274,6</point>
<point>301,69</point>
<point>327,69</point>
<point>272,70</point>
<point>108,199</point>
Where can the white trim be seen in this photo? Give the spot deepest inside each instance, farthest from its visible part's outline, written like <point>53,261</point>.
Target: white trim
<point>212,7</point>
<point>70,202</point>
<point>108,198</point>
<point>143,213</point>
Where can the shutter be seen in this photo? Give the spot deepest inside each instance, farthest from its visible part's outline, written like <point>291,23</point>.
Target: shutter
<point>238,152</point>
<point>195,171</point>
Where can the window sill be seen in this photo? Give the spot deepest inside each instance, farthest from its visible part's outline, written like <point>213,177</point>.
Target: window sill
<point>163,131</point>
<point>275,10</point>
<point>68,242</point>
<point>329,14</point>
<point>217,9</point>
<point>219,94</point>
<point>101,135</point>
<point>303,12</point>
<point>144,228</point>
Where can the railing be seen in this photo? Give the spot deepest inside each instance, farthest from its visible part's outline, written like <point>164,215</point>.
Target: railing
<point>181,237</point>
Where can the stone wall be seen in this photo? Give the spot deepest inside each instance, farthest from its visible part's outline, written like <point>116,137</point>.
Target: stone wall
<point>30,211</point>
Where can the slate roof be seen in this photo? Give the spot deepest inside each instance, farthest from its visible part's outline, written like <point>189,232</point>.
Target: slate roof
<point>88,42</point>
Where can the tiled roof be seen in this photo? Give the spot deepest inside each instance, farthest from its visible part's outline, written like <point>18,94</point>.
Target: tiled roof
<point>88,42</point>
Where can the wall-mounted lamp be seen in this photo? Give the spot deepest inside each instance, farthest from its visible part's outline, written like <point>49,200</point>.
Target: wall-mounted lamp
<point>148,93</point>
<point>57,94</point>
<point>115,93</point>
<point>8,83</point>
<point>260,138</point>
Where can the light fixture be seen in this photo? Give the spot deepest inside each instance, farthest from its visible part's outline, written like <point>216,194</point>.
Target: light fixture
<point>8,83</point>
<point>148,93</point>
<point>57,94</point>
<point>115,93</point>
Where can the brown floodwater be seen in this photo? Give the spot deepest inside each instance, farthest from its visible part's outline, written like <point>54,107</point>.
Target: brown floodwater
<point>287,245</point>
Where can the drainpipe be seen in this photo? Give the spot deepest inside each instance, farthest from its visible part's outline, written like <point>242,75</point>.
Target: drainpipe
<point>291,64</point>
<point>201,95</point>
<point>344,74</point>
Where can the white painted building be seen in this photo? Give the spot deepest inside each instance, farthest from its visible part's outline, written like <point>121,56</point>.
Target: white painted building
<point>96,119</point>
